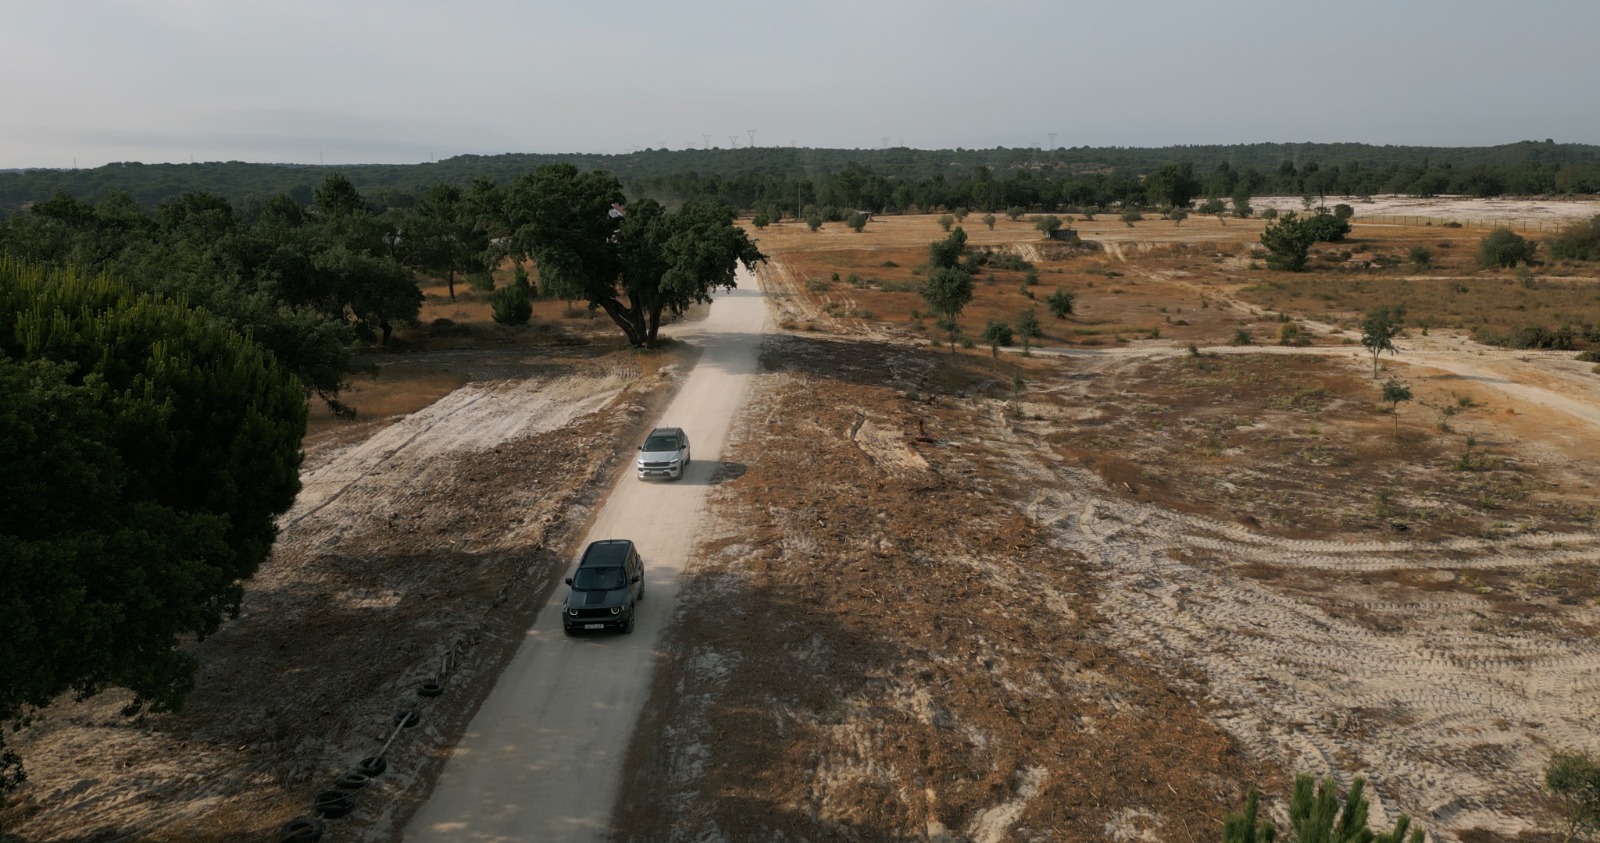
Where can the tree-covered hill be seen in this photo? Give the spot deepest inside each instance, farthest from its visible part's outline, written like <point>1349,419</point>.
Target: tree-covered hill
<point>756,177</point>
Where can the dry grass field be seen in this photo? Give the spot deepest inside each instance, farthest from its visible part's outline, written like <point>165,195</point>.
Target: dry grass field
<point>1095,591</point>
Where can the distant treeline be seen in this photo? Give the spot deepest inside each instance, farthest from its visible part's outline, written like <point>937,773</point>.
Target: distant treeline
<point>784,180</point>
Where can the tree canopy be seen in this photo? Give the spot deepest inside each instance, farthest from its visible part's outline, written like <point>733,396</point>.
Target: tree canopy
<point>635,264</point>
<point>1378,330</point>
<point>1288,241</point>
<point>147,449</point>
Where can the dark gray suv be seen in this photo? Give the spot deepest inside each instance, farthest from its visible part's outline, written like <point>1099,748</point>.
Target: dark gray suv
<point>606,588</point>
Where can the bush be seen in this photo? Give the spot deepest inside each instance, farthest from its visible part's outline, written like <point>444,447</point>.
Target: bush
<point>1060,303</point>
<point>1242,337</point>
<point>1292,334</point>
<point>1531,337</point>
<point>513,304</point>
<point>1590,356</point>
<point>1579,242</point>
<point>946,221</point>
<point>1421,257</point>
<point>483,282</point>
<point>998,334</point>
<point>1504,248</point>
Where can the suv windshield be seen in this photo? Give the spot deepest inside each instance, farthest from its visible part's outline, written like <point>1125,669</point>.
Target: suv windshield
<point>599,579</point>
<point>661,443</point>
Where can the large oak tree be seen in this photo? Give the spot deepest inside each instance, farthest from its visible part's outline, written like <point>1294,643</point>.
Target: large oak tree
<point>635,263</point>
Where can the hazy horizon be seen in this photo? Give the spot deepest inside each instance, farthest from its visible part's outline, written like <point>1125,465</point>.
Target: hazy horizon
<point>405,82</point>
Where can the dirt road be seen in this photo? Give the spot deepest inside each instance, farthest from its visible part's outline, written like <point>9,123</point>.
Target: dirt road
<point>541,760</point>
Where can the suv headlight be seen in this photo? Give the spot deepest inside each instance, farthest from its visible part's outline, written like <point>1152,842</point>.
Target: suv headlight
<point>572,612</point>
<point>616,610</point>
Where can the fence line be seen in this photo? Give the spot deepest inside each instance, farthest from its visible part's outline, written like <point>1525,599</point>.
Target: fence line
<point>1466,222</point>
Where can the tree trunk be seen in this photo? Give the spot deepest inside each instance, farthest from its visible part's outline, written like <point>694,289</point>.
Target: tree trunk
<point>383,340</point>
<point>628,319</point>
<point>450,279</point>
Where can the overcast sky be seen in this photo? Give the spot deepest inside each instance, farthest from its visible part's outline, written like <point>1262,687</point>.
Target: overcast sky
<point>86,82</point>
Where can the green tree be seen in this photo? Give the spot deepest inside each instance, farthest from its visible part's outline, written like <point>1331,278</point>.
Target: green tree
<point>444,235</point>
<point>946,221</point>
<point>1505,248</point>
<point>989,220</point>
<point>1213,206</point>
<point>1288,242</point>
<point>1393,393</point>
<point>1060,303</point>
<point>635,265</point>
<point>513,303</point>
<point>672,260</point>
<point>947,253</point>
<point>761,221</point>
<point>1015,212</point>
<point>1579,241</point>
<point>1048,224</point>
<point>147,450</point>
<point>1241,202</point>
<point>998,334</point>
<point>1172,185</point>
<point>1028,327</point>
<point>1574,781</point>
<point>1326,227</point>
<point>1378,330</point>
<point>947,291</point>
<point>1178,215</point>
<point>856,221</point>
<point>1132,215</point>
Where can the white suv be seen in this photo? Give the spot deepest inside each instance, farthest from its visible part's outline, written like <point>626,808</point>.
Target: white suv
<point>665,453</point>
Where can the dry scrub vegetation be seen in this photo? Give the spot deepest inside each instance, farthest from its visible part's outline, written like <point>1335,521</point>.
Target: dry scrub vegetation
<point>1092,596</point>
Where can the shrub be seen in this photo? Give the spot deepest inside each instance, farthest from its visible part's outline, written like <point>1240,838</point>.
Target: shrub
<point>1505,248</point>
<point>946,221</point>
<point>1242,337</point>
<point>483,282</point>
<point>513,303</point>
<point>1579,241</point>
<point>1421,257</point>
<point>1060,303</point>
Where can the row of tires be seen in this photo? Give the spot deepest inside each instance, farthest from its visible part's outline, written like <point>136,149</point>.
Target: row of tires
<point>340,800</point>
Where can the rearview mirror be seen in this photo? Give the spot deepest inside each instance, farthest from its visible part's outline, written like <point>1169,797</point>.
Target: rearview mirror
<point>569,580</point>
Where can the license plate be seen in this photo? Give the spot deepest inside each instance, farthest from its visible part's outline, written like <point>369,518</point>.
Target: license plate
<point>594,626</point>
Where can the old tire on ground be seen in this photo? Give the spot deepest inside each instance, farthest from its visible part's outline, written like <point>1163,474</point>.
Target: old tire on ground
<point>372,766</point>
<point>352,780</point>
<point>333,804</point>
<point>407,719</point>
<point>430,689</point>
<point>301,830</point>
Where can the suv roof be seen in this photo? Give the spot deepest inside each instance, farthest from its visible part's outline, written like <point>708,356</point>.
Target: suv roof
<point>666,431</point>
<point>606,552</point>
